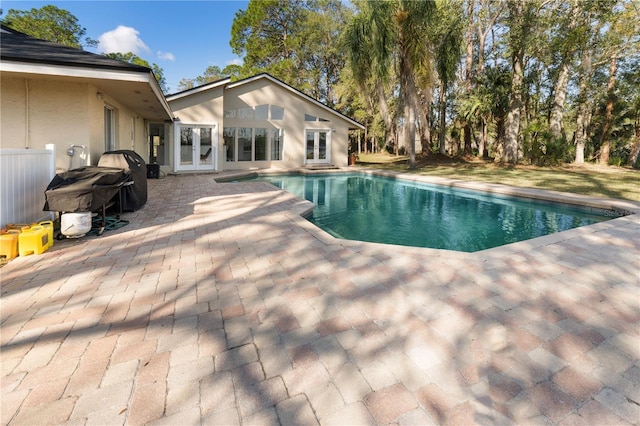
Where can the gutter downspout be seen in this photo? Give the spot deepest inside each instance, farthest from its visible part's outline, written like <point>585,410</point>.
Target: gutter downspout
<point>26,113</point>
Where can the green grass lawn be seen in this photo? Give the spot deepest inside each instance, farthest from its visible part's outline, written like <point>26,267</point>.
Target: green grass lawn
<point>587,179</point>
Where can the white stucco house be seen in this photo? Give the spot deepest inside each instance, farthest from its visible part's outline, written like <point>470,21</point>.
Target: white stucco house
<point>53,94</point>
<point>255,123</point>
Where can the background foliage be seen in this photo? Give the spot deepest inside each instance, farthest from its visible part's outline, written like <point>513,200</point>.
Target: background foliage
<point>539,82</point>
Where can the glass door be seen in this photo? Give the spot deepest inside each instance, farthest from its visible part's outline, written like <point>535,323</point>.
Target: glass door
<point>205,158</point>
<point>317,146</point>
<point>196,147</point>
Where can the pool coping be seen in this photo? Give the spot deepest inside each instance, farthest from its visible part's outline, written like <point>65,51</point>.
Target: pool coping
<point>623,211</point>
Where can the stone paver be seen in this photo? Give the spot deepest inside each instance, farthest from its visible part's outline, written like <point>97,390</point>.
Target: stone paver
<point>219,304</point>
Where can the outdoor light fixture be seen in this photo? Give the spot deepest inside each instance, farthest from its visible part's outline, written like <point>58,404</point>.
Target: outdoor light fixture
<point>100,95</point>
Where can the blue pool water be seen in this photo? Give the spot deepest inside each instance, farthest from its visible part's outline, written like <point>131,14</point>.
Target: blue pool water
<point>384,210</point>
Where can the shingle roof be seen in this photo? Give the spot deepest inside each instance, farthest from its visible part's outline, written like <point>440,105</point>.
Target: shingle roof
<point>15,46</point>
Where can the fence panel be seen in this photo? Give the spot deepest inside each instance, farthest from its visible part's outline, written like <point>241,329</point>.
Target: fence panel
<point>24,175</point>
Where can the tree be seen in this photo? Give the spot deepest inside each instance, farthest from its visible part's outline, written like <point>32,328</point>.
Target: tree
<point>585,71</point>
<point>447,40</point>
<point>212,73</point>
<point>267,36</point>
<point>571,29</point>
<point>631,98</point>
<point>321,56</point>
<point>132,58</point>
<point>49,23</point>
<point>488,104</point>
<point>388,35</point>
<point>622,40</point>
<point>521,19</point>
<point>487,14</point>
<point>295,41</point>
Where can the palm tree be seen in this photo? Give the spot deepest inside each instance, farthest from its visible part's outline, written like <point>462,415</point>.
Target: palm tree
<point>390,35</point>
<point>447,36</point>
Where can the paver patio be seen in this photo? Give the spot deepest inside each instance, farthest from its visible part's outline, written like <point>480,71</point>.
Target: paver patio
<point>219,304</point>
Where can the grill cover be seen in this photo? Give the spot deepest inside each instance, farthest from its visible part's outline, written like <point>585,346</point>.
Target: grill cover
<point>83,190</point>
<point>133,196</point>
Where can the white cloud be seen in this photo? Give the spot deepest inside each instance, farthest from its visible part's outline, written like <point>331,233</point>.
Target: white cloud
<point>122,39</point>
<point>236,61</point>
<point>168,56</point>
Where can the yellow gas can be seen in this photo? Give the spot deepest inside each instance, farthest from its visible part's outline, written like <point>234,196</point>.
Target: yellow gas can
<point>48,225</point>
<point>34,240</point>
<point>9,243</point>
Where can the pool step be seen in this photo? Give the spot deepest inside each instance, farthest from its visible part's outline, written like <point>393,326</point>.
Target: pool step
<point>321,167</point>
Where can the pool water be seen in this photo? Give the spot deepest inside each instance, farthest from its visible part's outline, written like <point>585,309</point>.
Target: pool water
<point>385,210</point>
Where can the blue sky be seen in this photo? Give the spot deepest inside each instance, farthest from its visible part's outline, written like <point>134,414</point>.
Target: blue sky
<point>182,37</point>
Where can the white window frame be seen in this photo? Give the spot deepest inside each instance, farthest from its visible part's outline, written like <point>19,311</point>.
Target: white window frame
<point>109,128</point>
<point>269,144</point>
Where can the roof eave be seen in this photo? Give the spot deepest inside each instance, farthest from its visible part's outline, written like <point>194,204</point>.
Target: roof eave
<point>199,89</point>
<point>79,72</point>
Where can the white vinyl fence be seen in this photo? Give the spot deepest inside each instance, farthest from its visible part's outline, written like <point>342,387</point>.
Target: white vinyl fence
<point>24,175</point>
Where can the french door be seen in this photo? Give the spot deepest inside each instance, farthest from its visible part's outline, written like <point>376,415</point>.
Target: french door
<point>196,147</point>
<point>317,146</point>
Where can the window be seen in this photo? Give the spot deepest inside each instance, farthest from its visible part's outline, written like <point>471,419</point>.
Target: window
<point>262,112</point>
<point>206,146</point>
<point>260,136</point>
<point>109,129</point>
<point>309,117</point>
<point>253,144</point>
<point>276,144</point>
<point>245,113</point>
<point>245,144</point>
<point>229,137</point>
<point>186,145</point>
<point>277,113</point>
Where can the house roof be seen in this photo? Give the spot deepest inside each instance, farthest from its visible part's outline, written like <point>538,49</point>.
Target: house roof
<point>198,89</point>
<point>23,48</point>
<point>228,85</point>
<point>132,85</point>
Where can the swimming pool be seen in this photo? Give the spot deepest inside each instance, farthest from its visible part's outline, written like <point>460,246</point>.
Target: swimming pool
<point>384,210</point>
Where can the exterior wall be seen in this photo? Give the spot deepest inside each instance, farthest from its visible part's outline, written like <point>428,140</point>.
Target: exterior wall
<point>37,112</point>
<point>33,115</point>
<point>210,107</point>
<point>261,92</point>
<point>200,108</point>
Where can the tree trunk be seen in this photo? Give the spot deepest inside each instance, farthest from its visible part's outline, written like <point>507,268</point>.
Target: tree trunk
<point>424,112</point>
<point>583,105</point>
<point>560,89</point>
<point>580,135</point>
<point>411,105</point>
<point>560,95</point>
<point>468,71</point>
<point>635,149</point>
<point>605,145</point>
<point>411,134</point>
<point>512,130</point>
<point>484,148</point>
<point>442,131</point>
<point>384,109</point>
